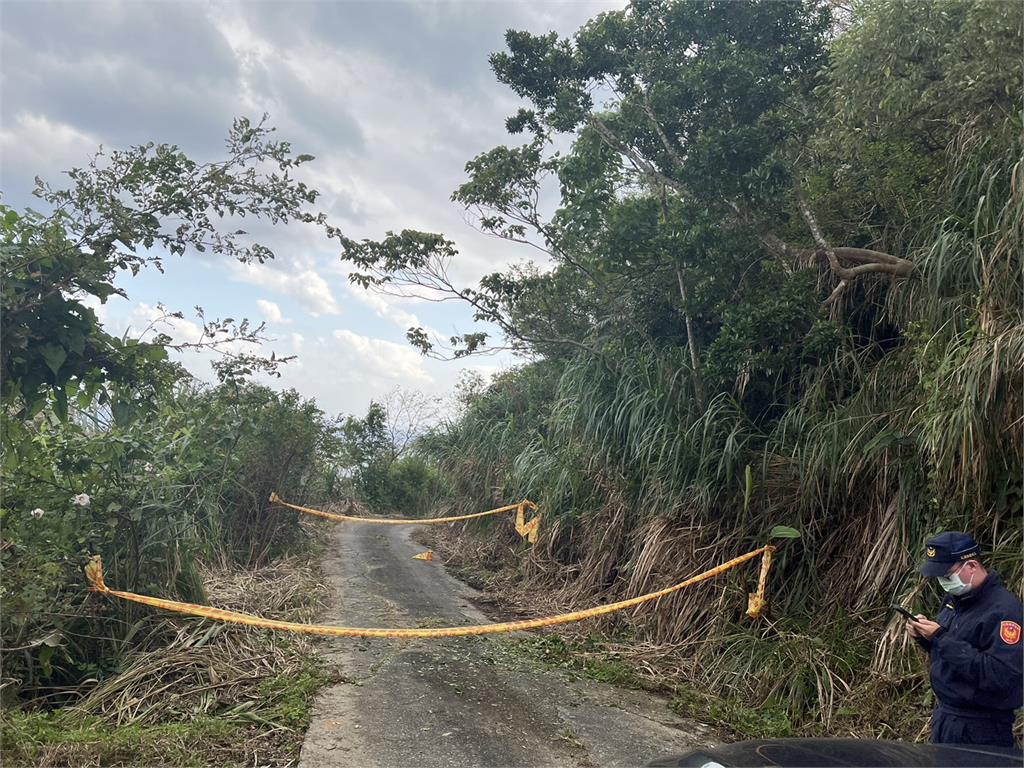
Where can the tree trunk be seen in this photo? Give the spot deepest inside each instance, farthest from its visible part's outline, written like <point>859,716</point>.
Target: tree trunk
<point>691,339</point>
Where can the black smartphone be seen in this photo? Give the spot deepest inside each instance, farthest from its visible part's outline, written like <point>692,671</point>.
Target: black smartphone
<point>903,612</point>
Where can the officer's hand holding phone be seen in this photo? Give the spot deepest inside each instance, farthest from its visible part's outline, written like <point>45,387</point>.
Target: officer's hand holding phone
<point>924,627</point>
<point>918,625</point>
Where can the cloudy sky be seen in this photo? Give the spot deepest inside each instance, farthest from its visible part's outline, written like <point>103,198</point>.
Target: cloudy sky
<point>392,98</point>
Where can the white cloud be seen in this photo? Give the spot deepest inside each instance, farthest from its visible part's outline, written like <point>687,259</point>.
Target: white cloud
<point>271,312</point>
<point>306,285</point>
<point>32,144</point>
<point>344,370</point>
<point>410,100</point>
<point>388,308</point>
<point>341,369</point>
<point>416,134</point>
<point>383,359</point>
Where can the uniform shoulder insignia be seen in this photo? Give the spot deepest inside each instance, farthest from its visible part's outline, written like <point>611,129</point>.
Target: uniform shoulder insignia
<point>1009,632</point>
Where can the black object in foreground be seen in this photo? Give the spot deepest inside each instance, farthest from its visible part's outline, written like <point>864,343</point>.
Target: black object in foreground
<point>825,753</point>
<point>903,612</point>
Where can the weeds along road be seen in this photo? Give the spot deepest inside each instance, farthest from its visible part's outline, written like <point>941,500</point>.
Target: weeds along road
<point>461,701</point>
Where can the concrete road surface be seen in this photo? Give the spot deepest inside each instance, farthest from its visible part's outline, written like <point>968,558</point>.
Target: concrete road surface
<point>463,701</point>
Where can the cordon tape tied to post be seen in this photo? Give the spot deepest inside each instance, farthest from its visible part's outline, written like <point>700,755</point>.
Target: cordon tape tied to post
<point>756,602</point>
<point>528,530</point>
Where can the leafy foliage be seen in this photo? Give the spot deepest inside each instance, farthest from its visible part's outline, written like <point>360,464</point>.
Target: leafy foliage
<point>385,474</point>
<point>121,213</point>
<point>186,479</point>
<point>108,447</point>
<point>782,298</point>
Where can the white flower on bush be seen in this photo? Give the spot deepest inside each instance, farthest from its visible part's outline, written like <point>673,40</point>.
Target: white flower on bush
<point>37,513</point>
<point>81,500</point>
<point>147,467</point>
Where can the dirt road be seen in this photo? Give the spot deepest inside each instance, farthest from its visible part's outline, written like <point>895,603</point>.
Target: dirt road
<point>465,701</point>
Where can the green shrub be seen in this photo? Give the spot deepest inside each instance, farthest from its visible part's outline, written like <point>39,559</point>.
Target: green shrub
<point>187,477</point>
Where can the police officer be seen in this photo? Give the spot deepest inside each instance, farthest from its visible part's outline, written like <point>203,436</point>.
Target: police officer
<point>975,648</point>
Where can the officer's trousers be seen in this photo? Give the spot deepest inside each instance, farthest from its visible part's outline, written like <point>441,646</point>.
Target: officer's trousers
<point>959,726</point>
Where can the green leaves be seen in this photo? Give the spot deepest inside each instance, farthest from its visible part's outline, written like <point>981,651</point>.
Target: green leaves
<point>166,482</point>
<point>121,213</point>
<point>898,402</point>
<point>697,91</point>
<point>54,356</point>
<point>46,331</point>
<point>783,532</point>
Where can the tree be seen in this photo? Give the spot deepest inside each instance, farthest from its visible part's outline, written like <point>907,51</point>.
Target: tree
<point>706,108</point>
<point>709,100</point>
<point>380,451</point>
<point>409,413</point>
<point>737,146</point>
<point>123,212</point>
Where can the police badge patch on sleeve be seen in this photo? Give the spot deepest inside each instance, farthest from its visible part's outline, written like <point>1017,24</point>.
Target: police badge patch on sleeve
<point>1009,631</point>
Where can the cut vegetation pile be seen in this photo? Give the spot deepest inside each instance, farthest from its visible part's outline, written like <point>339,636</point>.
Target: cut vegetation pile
<point>206,694</point>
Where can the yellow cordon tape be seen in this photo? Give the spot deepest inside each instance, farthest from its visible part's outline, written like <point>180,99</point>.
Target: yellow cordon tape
<point>528,530</point>
<point>94,574</point>
<point>756,600</point>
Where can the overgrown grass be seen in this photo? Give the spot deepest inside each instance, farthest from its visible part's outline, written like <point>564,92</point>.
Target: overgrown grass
<point>181,484</point>
<point>211,695</point>
<point>268,732</point>
<point>287,698</point>
<point>56,739</point>
<point>913,425</point>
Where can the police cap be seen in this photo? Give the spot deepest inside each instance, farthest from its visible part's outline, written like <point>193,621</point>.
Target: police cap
<point>946,550</point>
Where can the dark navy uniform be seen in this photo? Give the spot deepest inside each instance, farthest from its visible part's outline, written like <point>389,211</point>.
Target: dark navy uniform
<point>977,663</point>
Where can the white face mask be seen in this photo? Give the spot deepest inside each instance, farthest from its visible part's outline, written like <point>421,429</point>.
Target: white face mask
<point>955,586</point>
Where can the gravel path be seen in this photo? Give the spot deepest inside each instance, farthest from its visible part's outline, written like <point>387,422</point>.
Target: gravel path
<point>464,701</point>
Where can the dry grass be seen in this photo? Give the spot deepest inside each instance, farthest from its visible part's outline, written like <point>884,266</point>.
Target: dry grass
<point>665,653</point>
<point>211,668</point>
<point>224,695</point>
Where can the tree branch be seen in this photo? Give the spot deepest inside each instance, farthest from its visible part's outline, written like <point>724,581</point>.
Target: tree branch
<point>871,261</point>
<point>676,158</point>
<point>639,162</point>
